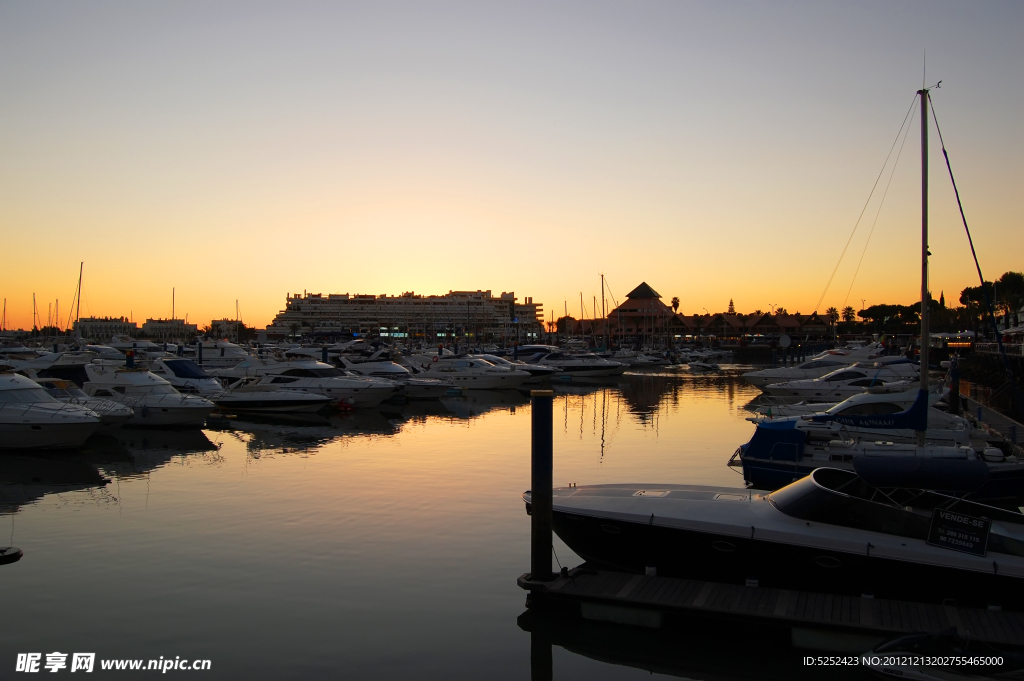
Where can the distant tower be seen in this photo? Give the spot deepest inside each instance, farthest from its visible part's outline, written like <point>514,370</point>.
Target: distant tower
<point>942,299</point>
<point>732,308</point>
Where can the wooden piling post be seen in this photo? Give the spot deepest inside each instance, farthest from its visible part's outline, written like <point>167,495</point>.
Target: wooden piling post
<point>541,484</point>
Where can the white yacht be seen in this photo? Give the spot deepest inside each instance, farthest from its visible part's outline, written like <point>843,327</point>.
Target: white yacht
<point>30,418</point>
<point>819,365</point>
<point>471,373</point>
<point>410,386</point>
<point>638,360</point>
<point>112,414</point>
<point>873,417</point>
<point>216,354</point>
<point>538,372</point>
<point>186,376</point>
<point>848,381</point>
<point>315,377</point>
<point>583,365</point>
<point>246,394</point>
<point>155,401</point>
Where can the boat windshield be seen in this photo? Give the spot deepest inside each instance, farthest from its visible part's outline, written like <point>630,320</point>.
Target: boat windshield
<point>185,368</point>
<point>327,372</point>
<point>25,396</point>
<point>837,497</point>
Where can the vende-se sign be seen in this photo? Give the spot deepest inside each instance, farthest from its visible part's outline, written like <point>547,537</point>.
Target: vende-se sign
<point>959,532</point>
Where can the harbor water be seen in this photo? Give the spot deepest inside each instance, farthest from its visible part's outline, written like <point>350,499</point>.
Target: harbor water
<point>379,544</point>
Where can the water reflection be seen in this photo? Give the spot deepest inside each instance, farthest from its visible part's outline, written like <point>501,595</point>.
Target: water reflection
<point>26,479</point>
<point>381,543</point>
<point>690,647</point>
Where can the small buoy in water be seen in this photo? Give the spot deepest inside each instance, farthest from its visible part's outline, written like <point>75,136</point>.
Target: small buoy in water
<point>10,554</point>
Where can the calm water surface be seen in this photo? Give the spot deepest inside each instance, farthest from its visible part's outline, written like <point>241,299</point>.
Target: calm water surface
<point>383,544</point>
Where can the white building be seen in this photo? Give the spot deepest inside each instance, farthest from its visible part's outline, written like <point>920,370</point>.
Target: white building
<point>170,330</point>
<point>457,314</point>
<point>101,329</point>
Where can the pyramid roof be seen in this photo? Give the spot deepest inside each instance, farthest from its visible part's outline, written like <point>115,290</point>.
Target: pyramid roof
<point>643,291</point>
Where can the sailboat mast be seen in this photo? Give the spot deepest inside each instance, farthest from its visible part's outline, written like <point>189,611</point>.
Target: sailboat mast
<point>78,302</point>
<point>921,434</point>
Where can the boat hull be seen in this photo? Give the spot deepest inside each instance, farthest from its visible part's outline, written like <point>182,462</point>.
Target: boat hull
<point>168,416</point>
<point>43,435</point>
<point>631,546</point>
<point>271,405</point>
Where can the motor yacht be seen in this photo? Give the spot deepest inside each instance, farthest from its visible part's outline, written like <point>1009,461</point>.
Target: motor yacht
<point>637,360</point>
<point>112,414</point>
<point>155,401</point>
<point>820,365</point>
<point>702,366</point>
<point>413,387</point>
<point>829,531</point>
<point>186,376</point>
<point>247,394</point>
<point>31,419</point>
<point>215,354</point>
<point>538,372</point>
<point>469,373</point>
<point>580,365</point>
<point>847,381</point>
<point>880,416</point>
<point>314,377</point>
<point>781,451</point>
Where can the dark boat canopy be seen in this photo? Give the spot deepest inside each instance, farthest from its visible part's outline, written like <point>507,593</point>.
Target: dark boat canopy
<point>838,497</point>
<point>950,475</point>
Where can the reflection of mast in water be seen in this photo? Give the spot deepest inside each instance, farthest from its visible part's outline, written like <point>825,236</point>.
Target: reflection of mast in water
<point>604,419</point>
<point>565,409</point>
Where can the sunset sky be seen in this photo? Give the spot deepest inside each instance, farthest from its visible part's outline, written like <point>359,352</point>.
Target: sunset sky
<point>243,150</point>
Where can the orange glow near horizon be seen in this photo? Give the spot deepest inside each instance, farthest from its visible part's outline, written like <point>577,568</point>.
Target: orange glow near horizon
<point>349,149</point>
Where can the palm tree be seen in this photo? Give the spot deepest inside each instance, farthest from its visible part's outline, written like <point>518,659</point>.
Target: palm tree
<point>833,315</point>
<point>849,314</point>
<point>758,313</point>
<point>675,303</point>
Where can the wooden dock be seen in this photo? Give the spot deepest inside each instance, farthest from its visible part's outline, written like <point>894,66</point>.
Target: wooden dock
<point>643,600</point>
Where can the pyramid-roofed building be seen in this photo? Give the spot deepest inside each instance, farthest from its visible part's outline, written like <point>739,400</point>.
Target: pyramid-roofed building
<point>643,291</point>
<point>644,313</point>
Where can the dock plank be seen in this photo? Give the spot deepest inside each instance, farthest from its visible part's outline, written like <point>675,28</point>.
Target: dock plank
<point>883,616</point>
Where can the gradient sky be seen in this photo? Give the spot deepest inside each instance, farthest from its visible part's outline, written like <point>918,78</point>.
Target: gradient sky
<point>242,150</point>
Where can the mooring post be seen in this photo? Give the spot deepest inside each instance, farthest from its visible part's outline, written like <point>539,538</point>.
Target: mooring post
<point>541,484</point>
<point>541,662</point>
<point>323,354</point>
<point>199,352</point>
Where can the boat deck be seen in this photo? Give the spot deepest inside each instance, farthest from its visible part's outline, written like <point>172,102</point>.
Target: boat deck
<point>637,595</point>
<point>995,423</point>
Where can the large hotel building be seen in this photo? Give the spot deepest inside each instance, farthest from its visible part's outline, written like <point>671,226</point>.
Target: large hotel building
<point>458,314</point>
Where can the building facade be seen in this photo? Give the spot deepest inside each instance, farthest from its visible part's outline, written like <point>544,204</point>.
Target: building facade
<point>170,330</point>
<point>457,314</point>
<point>102,329</point>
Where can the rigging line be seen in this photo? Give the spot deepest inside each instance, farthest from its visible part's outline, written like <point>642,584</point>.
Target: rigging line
<point>977,265</point>
<point>877,213</point>
<point>873,187</point>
